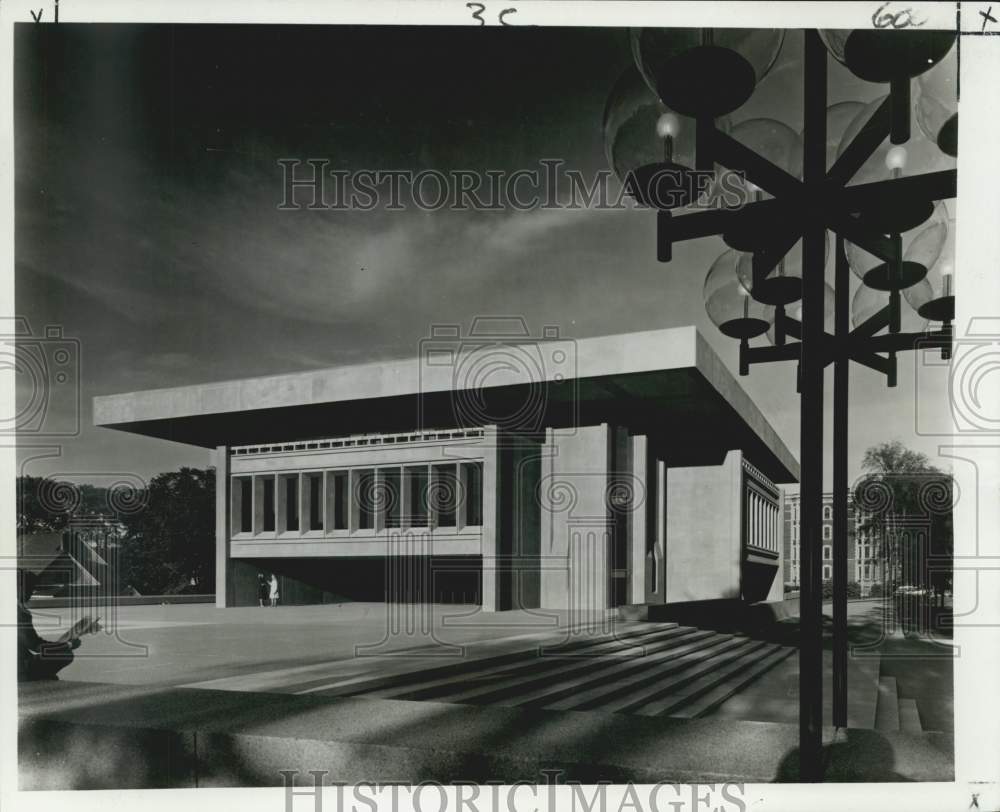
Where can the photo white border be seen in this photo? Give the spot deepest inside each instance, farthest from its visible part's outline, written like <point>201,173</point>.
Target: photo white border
<point>977,670</point>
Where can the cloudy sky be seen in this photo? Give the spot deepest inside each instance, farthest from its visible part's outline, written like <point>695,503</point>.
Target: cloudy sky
<point>148,228</point>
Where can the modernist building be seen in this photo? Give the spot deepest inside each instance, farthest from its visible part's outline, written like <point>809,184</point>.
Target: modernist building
<point>586,474</point>
<point>864,565</point>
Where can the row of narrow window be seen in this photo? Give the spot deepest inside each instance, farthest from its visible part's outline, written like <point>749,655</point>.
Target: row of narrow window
<point>365,498</point>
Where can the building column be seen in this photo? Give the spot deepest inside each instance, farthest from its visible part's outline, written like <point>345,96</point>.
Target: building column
<point>220,459</point>
<point>490,598</point>
<point>637,526</point>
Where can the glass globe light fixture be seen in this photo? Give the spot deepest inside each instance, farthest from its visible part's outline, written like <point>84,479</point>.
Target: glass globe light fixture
<point>729,305</point>
<point>936,104</point>
<point>869,301</point>
<point>933,240</point>
<point>835,39</point>
<point>795,311</point>
<point>641,132</point>
<point>918,151</point>
<point>790,266</point>
<point>753,230</point>
<point>780,89</point>
<point>773,140</point>
<point>705,72</point>
<point>883,55</point>
<point>839,117</point>
<point>935,298</point>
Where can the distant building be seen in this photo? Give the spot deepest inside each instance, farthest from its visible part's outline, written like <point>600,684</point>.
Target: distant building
<point>864,565</point>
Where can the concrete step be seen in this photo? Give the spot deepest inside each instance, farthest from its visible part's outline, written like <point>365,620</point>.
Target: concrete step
<point>909,716</point>
<point>887,710</point>
<point>618,681</point>
<point>719,686</point>
<point>505,687</point>
<point>353,685</point>
<point>604,693</point>
<point>635,701</point>
<point>487,672</point>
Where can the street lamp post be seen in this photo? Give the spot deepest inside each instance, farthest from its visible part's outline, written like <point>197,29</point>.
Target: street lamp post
<point>697,80</point>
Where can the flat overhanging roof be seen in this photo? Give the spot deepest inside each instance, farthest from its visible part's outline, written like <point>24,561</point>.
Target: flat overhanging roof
<point>668,382</point>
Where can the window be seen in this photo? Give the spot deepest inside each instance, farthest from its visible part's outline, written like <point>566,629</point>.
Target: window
<point>826,552</point>
<point>826,573</point>
<point>339,493</point>
<point>292,503</point>
<point>827,513</point>
<point>473,477</point>
<point>417,491</point>
<point>365,499</point>
<point>444,495</point>
<point>827,532</point>
<point>315,501</point>
<point>390,496</point>
<point>267,486</point>
<point>242,516</point>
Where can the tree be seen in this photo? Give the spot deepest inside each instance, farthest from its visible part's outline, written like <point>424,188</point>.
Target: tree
<point>49,505</point>
<point>172,539</point>
<point>904,504</point>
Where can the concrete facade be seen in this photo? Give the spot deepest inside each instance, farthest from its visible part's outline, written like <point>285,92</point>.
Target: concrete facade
<point>639,472</point>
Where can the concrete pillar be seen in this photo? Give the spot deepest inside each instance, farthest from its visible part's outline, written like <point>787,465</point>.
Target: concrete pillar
<point>490,542</point>
<point>220,459</point>
<point>656,490</point>
<point>638,530</point>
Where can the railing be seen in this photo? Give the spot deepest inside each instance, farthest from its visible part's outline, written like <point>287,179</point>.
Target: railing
<point>761,517</point>
<point>360,440</point>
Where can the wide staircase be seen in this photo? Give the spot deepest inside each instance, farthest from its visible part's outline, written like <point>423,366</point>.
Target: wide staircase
<point>646,669</point>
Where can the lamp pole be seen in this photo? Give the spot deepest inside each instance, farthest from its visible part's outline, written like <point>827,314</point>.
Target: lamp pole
<point>811,366</point>
<point>871,216</point>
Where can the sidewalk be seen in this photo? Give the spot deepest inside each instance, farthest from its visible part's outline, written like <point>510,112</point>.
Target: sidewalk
<point>92,736</point>
<point>923,670</point>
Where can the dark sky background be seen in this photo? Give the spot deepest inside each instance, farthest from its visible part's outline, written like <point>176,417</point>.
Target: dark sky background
<point>147,187</point>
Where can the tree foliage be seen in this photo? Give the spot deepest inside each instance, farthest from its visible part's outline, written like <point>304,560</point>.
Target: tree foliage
<point>905,506</point>
<point>172,540</point>
<point>47,505</point>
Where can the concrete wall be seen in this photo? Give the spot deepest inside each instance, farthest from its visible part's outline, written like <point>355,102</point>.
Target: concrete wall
<point>575,525</point>
<point>703,531</point>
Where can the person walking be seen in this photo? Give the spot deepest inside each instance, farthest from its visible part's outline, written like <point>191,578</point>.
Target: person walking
<point>274,590</point>
<point>263,590</point>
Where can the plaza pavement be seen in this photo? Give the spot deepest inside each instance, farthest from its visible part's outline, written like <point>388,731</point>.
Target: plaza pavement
<point>165,678</point>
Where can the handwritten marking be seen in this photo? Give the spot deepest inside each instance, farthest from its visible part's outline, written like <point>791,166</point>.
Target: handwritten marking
<point>904,18</point>
<point>479,8</point>
<point>37,17</point>
<point>987,18</point>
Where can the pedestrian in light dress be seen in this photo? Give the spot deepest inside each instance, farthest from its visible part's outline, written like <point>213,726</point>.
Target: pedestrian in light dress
<point>274,590</point>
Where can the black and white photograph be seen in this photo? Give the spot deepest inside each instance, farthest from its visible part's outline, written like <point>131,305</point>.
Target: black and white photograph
<point>496,406</point>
